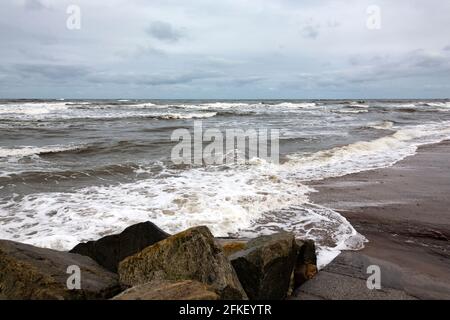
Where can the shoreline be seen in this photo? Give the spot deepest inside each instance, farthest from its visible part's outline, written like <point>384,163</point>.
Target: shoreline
<point>403,211</point>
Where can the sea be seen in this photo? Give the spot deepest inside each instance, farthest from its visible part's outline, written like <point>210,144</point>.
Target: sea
<point>76,170</point>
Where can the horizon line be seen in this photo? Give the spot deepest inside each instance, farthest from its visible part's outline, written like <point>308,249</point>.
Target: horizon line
<point>227,99</point>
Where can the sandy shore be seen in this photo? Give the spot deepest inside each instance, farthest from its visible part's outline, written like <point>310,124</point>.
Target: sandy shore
<point>404,212</point>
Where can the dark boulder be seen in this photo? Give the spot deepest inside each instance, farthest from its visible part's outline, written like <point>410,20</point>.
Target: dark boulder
<point>189,255</point>
<point>306,264</point>
<point>110,250</point>
<point>265,266</point>
<point>28,272</point>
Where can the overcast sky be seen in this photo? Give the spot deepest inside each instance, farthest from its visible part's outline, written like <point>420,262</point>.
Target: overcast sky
<point>225,49</point>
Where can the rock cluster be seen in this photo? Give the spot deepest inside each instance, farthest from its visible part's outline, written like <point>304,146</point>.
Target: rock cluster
<point>145,263</point>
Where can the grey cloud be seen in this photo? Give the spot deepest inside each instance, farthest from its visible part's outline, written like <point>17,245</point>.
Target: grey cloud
<point>222,62</point>
<point>58,73</point>
<point>36,55</point>
<point>34,5</point>
<point>239,81</point>
<point>389,71</point>
<point>333,24</point>
<point>164,31</point>
<point>51,71</point>
<point>247,80</point>
<point>149,51</point>
<point>18,34</point>
<point>141,51</point>
<point>152,79</point>
<point>415,64</point>
<point>310,31</point>
<point>431,62</point>
<point>354,60</point>
<point>234,49</point>
<point>2,73</point>
<point>214,78</point>
<point>364,60</point>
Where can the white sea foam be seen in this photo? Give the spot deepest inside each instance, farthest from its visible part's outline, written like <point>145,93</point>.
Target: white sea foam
<point>215,106</point>
<point>303,105</point>
<point>445,107</point>
<point>351,110</point>
<point>27,151</point>
<point>168,116</point>
<point>56,111</point>
<point>225,200</point>
<point>435,104</point>
<point>367,155</point>
<point>228,201</point>
<point>146,105</point>
<point>248,106</point>
<point>404,105</point>
<point>65,111</point>
<point>358,105</point>
<point>240,200</point>
<point>385,125</point>
<point>424,106</point>
<point>224,105</point>
<point>32,108</point>
<point>80,103</point>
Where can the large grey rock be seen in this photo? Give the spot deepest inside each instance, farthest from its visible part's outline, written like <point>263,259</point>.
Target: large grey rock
<point>28,272</point>
<point>169,290</point>
<point>265,267</point>
<point>110,250</point>
<point>189,255</point>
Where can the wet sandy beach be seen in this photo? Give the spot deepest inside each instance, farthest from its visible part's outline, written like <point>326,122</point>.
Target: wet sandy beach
<point>404,212</point>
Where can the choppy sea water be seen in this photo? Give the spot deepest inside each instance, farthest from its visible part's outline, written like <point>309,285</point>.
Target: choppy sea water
<point>74,171</point>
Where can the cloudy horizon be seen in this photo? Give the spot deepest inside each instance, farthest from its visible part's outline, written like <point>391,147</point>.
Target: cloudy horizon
<point>229,49</point>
